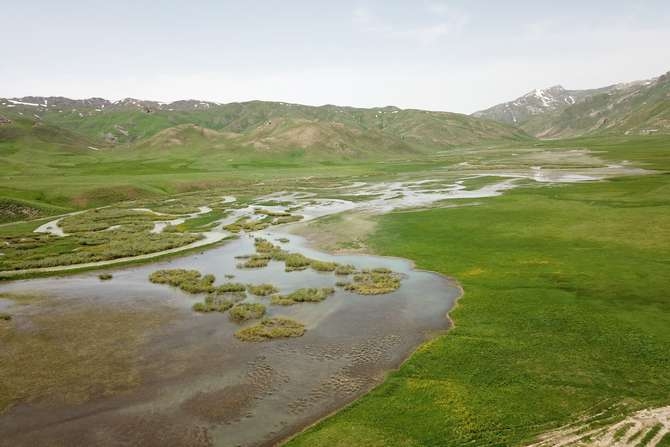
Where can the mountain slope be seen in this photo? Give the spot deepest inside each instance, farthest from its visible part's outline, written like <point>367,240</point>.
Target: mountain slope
<point>641,107</point>
<point>262,126</point>
<point>534,103</point>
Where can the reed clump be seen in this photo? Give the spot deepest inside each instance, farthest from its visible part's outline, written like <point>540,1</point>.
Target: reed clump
<point>190,281</point>
<point>270,329</point>
<point>322,266</point>
<point>306,295</point>
<point>246,311</point>
<point>213,303</point>
<point>344,269</point>
<point>262,289</point>
<point>374,282</point>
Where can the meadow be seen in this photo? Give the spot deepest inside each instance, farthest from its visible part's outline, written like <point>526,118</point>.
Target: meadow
<point>564,314</point>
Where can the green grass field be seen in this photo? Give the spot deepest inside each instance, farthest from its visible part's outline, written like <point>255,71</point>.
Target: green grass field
<point>565,314</point>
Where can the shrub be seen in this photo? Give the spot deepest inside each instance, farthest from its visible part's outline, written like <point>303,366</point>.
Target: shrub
<point>5,317</point>
<point>271,328</point>
<point>105,276</point>
<point>246,311</point>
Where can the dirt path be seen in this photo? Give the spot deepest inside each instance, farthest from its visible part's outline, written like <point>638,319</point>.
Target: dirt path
<point>643,428</point>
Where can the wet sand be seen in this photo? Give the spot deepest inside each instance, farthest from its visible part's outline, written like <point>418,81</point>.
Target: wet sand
<point>201,386</point>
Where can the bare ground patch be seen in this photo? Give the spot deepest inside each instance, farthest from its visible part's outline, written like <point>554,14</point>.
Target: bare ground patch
<point>645,428</point>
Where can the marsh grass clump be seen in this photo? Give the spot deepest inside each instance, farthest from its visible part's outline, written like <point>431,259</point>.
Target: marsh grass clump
<point>213,303</point>
<point>307,295</point>
<point>272,213</point>
<point>296,261</point>
<point>204,284</point>
<point>230,287</point>
<point>286,219</point>
<point>344,269</point>
<point>174,277</point>
<point>374,282</point>
<point>248,225</point>
<point>190,281</point>
<point>323,266</point>
<point>246,311</point>
<point>341,284</point>
<point>254,262</point>
<point>271,328</point>
<point>234,297</point>
<point>262,289</point>
<point>281,300</point>
<point>105,276</point>
<point>263,245</point>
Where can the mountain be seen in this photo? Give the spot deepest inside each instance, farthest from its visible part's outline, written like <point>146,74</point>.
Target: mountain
<point>641,108</point>
<point>259,126</point>
<point>534,103</point>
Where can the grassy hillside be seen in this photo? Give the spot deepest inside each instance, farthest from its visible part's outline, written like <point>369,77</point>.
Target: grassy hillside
<point>292,126</point>
<point>565,315</point>
<point>637,108</point>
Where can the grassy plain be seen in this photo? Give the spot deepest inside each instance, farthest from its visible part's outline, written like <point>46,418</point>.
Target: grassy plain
<point>565,313</point>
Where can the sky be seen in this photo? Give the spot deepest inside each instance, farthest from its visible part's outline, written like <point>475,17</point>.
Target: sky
<point>452,55</point>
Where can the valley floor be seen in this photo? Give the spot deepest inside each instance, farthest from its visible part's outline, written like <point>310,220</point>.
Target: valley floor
<point>565,317</point>
<point>562,332</point>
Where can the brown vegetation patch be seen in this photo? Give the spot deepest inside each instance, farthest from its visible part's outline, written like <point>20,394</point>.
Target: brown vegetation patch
<point>374,282</point>
<point>73,355</point>
<point>271,328</point>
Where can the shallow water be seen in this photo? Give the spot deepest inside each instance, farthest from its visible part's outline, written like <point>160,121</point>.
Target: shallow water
<point>201,384</point>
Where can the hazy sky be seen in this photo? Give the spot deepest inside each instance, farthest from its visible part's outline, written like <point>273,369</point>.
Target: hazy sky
<point>454,55</point>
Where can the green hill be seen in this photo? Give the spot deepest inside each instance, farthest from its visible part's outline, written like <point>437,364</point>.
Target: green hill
<point>261,126</point>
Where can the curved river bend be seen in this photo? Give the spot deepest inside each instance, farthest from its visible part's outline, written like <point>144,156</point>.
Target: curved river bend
<point>199,385</point>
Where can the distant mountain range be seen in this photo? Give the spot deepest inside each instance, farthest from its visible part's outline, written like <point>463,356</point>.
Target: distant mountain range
<point>256,126</point>
<point>640,107</point>
<point>260,127</point>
